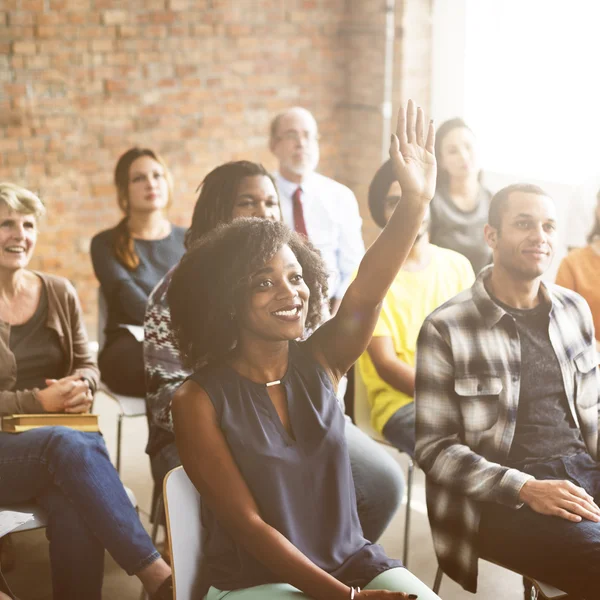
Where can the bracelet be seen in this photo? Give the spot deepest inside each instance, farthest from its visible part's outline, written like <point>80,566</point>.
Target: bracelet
<point>354,592</point>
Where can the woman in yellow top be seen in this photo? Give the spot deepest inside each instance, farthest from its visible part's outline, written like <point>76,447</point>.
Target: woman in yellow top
<point>580,271</point>
<point>430,276</point>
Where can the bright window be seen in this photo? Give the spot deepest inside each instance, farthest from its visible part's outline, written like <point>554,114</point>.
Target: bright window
<point>532,86</point>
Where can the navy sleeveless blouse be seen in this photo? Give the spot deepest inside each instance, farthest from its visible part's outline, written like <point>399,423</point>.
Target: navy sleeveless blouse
<point>302,484</point>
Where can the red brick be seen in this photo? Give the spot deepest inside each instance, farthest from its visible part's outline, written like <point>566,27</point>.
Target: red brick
<point>102,45</point>
<point>27,47</point>
<point>115,17</point>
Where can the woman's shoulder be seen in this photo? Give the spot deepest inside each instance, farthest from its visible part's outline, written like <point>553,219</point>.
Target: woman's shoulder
<point>103,238</point>
<point>60,286</point>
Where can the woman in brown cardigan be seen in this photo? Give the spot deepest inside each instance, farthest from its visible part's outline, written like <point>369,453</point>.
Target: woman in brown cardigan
<point>45,366</point>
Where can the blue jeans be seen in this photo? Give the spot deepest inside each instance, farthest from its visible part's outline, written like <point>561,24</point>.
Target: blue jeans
<point>378,480</point>
<point>70,475</point>
<point>564,554</point>
<point>400,429</point>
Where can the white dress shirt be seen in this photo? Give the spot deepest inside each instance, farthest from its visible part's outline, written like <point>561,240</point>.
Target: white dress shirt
<point>333,224</point>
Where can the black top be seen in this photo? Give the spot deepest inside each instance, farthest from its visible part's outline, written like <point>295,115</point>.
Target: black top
<point>461,231</point>
<point>545,428</point>
<point>127,292</point>
<point>302,485</point>
<point>38,353</point>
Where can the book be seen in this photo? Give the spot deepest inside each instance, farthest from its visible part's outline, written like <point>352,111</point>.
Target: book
<point>25,422</point>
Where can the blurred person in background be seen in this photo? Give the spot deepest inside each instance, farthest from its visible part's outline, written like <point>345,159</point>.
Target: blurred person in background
<point>130,259</point>
<point>323,210</point>
<point>459,209</point>
<point>580,271</point>
<point>429,276</point>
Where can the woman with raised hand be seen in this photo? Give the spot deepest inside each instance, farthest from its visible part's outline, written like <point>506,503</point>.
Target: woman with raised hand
<point>580,271</point>
<point>233,190</point>
<point>46,367</point>
<point>130,259</point>
<point>278,499</point>
<point>459,209</point>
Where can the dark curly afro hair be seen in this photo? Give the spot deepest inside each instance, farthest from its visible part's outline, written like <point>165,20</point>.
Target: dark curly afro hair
<point>214,275</point>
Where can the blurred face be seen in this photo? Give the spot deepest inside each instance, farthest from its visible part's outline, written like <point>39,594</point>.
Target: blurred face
<point>296,144</point>
<point>524,244</point>
<point>148,189</point>
<point>18,235</point>
<point>277,301</point>
<point>257,197</point>
<point>457,153</point>
<point>391,200</point>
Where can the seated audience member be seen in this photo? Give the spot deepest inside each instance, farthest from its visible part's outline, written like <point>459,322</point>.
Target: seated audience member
<point>506,402</point>
<point>278,500</point>
<point>580,271</point>
<point>429,276</point>
<point>316,206</point>
<point>460,206</point>
<point>45,366</point>
<point>245,189</point>
<point>130,259</point>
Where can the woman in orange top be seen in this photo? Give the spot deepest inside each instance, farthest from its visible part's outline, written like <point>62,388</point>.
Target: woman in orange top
<point>580,271</point>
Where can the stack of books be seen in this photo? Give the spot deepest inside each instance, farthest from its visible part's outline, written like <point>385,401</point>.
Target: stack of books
<point>20,423</point>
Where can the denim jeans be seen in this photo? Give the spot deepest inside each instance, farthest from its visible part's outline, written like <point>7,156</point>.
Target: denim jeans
<point>378,480</point>
<point>400,429</point>
<point>559,552</point>
<point>70,475</point>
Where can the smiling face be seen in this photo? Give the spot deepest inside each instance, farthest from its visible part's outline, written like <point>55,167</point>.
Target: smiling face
<point>523,245</point>
<point>296,144</point>
<point>276,304</point>
<point>148,189</point>
<point>18,235</point>
<point>257,197</point>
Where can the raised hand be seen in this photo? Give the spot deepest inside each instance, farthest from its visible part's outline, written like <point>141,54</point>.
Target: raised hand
<point>411,151</point>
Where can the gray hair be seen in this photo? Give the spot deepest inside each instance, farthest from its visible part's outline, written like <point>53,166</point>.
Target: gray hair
<point>21,200</point>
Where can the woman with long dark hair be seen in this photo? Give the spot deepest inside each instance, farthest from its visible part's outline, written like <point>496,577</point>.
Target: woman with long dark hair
<point>459,209</point>
<point>130,259</point>
<point>278,501</point>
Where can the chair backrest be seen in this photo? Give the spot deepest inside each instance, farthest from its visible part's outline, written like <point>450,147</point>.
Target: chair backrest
<point>102,318</point>
<point>184,527</point>
<point>362,407</point>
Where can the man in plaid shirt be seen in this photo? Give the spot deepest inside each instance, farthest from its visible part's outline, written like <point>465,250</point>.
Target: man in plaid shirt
<point>507,412</point>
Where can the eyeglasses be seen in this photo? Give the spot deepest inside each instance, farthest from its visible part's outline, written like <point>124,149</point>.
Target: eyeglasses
<point>297,137</point>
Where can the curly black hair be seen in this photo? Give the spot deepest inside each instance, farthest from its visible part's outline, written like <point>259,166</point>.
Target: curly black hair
<point>213,276</point>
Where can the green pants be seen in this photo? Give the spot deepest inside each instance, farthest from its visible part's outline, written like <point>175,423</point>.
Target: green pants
<point>394,580</point>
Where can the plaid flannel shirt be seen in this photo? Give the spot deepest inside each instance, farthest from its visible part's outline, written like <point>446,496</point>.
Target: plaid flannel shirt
<point>466,399</point>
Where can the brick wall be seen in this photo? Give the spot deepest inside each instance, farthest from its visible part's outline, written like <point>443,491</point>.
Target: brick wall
<point>198,81</point>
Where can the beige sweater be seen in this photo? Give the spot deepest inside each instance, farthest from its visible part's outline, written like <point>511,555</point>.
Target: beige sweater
<point>65,317</point>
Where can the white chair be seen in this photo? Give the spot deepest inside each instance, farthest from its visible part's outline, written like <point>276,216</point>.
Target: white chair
<point>184,528</point>
<point>539,589</point>
<point>130,406</point>
<point>362,418</point>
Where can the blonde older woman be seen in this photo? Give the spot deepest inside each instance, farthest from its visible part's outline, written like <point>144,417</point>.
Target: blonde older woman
<point>45,366</point>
